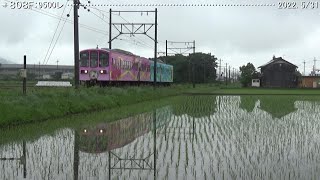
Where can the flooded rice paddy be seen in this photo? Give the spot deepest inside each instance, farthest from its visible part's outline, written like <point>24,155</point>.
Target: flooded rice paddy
<point>196,137</point>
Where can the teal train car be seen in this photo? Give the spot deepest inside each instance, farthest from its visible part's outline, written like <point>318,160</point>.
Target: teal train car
<point>164,72</point>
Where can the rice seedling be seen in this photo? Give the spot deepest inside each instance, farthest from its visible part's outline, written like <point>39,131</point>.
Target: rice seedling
<point>230,142</point>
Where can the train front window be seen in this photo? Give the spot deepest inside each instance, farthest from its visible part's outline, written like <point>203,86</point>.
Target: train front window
<point>84,59</point>
<point>93,59</point>
<point>104,59</point>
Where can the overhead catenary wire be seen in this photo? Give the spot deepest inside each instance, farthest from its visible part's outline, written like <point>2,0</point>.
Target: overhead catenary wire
<point>136,39</point>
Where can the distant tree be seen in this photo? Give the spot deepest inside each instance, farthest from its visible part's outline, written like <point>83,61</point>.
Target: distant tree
<point>180,65</point>
<point>247,73</point>
<point>204,67</point>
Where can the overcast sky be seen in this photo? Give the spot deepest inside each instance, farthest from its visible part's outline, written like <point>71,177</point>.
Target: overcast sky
<point>237,35</point>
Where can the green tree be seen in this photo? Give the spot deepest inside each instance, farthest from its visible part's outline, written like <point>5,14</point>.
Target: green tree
<point>247,73</point>
<point>204,67</point>
<point>180,65</point>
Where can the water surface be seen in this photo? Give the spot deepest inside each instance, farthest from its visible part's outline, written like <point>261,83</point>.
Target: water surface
<point>194,137</point>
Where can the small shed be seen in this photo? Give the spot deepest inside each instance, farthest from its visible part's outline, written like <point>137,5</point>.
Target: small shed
<point>310,82</point>
<point>279,73</point>
<point>255,83</point>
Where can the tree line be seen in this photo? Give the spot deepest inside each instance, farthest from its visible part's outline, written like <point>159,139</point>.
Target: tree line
<point>200,66</point>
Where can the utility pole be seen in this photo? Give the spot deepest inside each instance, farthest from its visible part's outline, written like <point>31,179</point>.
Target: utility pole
<point>76,42</point>
<point>34,71</point>
<point>193,75</point>
<point>110,28</point>
<point>155,49</point>
<point>166,48</point>
<point>220,69</point>
<point>24,87</point>
<point>229,74</point>
<point>233,80</point>
<point>39,69</point>
<point>57,64</point>
<point>304,68</point>
<point>226,74</point>
<point>204,72</point>
<point>314,66</point>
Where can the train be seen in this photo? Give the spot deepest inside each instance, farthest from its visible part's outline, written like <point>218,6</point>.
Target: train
<point>103,66</point>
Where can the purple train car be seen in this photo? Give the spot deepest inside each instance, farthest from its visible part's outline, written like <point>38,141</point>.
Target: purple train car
<point>103,66</point>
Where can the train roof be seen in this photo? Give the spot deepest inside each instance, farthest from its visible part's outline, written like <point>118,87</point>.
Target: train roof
<point>120,51</point>
<point>125,52</point>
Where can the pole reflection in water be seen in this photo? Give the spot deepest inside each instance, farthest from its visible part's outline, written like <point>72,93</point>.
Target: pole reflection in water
<point>76,156</point>
<point>22,159</point>
<point>200,138</point>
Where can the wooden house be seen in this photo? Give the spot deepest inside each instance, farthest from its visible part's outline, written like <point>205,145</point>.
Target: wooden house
<point>279,73</point>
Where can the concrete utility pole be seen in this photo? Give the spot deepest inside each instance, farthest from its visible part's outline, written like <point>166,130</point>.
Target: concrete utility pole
<point>110,28</point>
<point>24,88</point>
<point>226,74</point>
<point>39,69</point>
<point>76,4</point>
<point>166,48</point>
<point>229,74</point>
<point>155,48</point>
<point>193,75</point>
<point>233,77</point>
<point>304,68</point>
<point>220,69</point>
<point>314,66</point>
<point>57,64</point>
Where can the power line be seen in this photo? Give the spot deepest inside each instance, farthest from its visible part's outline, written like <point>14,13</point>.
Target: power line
<point>54,35</point>
<point>71,22</point>
<point>57,39</point>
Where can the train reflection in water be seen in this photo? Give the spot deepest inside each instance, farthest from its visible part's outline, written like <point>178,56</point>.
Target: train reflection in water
<point>110,137</point>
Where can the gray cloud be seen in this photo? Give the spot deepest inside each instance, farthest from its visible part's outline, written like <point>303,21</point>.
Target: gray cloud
<point>236,34</point>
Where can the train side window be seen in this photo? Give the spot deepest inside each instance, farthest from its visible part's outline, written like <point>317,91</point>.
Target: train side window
<point>84,59</point>
<point>93,59</point>
<point>104,59</point>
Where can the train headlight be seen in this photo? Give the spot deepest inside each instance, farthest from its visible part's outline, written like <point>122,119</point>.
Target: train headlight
<point>103,72</point>
<point>85,131</point>
<point>101,131</point>
<point>84,71</point>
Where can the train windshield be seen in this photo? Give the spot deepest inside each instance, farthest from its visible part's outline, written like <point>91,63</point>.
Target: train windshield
<point>93,59</point>
<point>104,59</point>
<point>84,59</point>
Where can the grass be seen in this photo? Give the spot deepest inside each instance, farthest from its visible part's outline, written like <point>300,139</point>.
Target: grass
<point>47,103</point>
<point>257,91</point>
<point>32,131</point>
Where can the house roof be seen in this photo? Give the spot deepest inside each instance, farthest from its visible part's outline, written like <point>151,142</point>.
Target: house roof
<point>274,60</point>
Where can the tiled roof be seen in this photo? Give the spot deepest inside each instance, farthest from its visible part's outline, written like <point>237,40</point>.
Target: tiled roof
<point>275,60</point>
